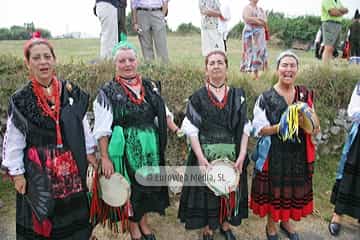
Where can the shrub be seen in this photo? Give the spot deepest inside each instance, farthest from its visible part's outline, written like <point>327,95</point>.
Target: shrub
<point>187,28</point>
<point>302,29</point>
<point>22,33</point>
<point>236,31</point>
<point>332,86</point>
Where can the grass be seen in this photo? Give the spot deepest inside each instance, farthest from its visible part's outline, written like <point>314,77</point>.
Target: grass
<point>182,50</point>
<point>333,86</point>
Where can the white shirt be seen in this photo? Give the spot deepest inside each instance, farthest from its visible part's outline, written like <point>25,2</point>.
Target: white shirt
<point>354,105</point>
<point>191,130</point>
<point>104,119</point>
<point>15,143</point>
<point>260,120</point>
<point>226,13</point>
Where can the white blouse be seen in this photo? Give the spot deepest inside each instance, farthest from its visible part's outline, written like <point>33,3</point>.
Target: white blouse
<point>354,105</point>
<point>104,119</point>
<point>191,130</point>
<point>260,120</point>
<point>15,143</point>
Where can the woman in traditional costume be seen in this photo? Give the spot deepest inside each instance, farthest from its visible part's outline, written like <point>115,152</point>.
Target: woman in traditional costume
<point>282,186</point>
<point>346,191</point>
<point>130,121</point>
<point>47,147</point>
<point>254,53</point>
<point>217,126</point>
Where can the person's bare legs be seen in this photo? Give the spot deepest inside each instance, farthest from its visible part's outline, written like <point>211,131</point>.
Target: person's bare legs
<point>207,231</point>
<point>134,230</point>
<point>256,75</point>
<point>327,54</point>
<point>145,229</point>
<point>289,227</point>
<point>225,226</point>
<point>336,218</point>
<point>271,226</point>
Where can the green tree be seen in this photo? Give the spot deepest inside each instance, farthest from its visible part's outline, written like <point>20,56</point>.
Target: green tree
<point>236,31</point>
<point>22,32</point>
<point>19,33</point>
<point>187,28</point>
<point>44,33</point>
<point>5,34</point>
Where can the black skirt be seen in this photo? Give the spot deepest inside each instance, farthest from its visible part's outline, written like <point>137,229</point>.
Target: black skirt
<point>200,207</point>
<point>70,220</point>
<point>148,201</point>
<point>346,191</point>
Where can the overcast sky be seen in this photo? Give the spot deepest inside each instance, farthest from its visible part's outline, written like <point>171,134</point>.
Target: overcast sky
<point>76,15</point>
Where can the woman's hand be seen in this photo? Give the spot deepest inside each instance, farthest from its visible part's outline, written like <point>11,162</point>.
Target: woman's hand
<point>20,183</point>
<point>240,162</point>
<point>92,160</point>
<point>203,164</point>
<point>107,167</point>
<point>179,133</point>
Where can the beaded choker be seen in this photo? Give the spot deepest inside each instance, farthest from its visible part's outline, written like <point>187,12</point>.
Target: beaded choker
<point>214,86</point>
<point>217,88</point>
<point>47,87</point>
<point>127,81</point>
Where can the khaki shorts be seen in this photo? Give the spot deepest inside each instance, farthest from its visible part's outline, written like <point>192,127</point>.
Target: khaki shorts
<point>331,33</point>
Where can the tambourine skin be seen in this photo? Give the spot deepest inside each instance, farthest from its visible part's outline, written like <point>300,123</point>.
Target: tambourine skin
<point>310,120</point>
<point>90,174</point>
<point>115,191</point>
<point>223,186</point>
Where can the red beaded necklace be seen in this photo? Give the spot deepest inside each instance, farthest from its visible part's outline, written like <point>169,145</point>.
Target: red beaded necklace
<point>123,83</point>
<point>216,103</point>
<point>43,103</point>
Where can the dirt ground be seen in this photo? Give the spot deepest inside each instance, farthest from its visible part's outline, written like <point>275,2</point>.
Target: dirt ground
<point>168,227</point>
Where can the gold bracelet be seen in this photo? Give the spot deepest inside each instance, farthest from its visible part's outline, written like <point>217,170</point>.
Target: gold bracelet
<point>277,127</point>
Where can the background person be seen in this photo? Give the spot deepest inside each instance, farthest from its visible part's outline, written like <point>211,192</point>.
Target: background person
<point>47,147</point>
<point>346,191</point>
<point>107,12</point>
<point>282,186</point>
<point>121,14</point>
<point>319,46</point>
<point>331,16</point>
<point>217,126</point>
<point>354,38</point>
<point>130,116</point>
<point>224,20</point>
<point>211,37</point>
<point>254,52</point>
<point>148,19</point>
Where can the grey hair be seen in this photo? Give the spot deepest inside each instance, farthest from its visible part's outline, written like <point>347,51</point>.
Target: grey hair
<point>286,53</point>
<point>117,51</point>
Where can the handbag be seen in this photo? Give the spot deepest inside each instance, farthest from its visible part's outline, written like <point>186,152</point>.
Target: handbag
<point>267,32</point>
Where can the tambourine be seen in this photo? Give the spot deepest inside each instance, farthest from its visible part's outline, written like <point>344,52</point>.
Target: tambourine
<point>310,120</point>
<point>222,177</point>
<point>90,174</point>
<point>115,191</point>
